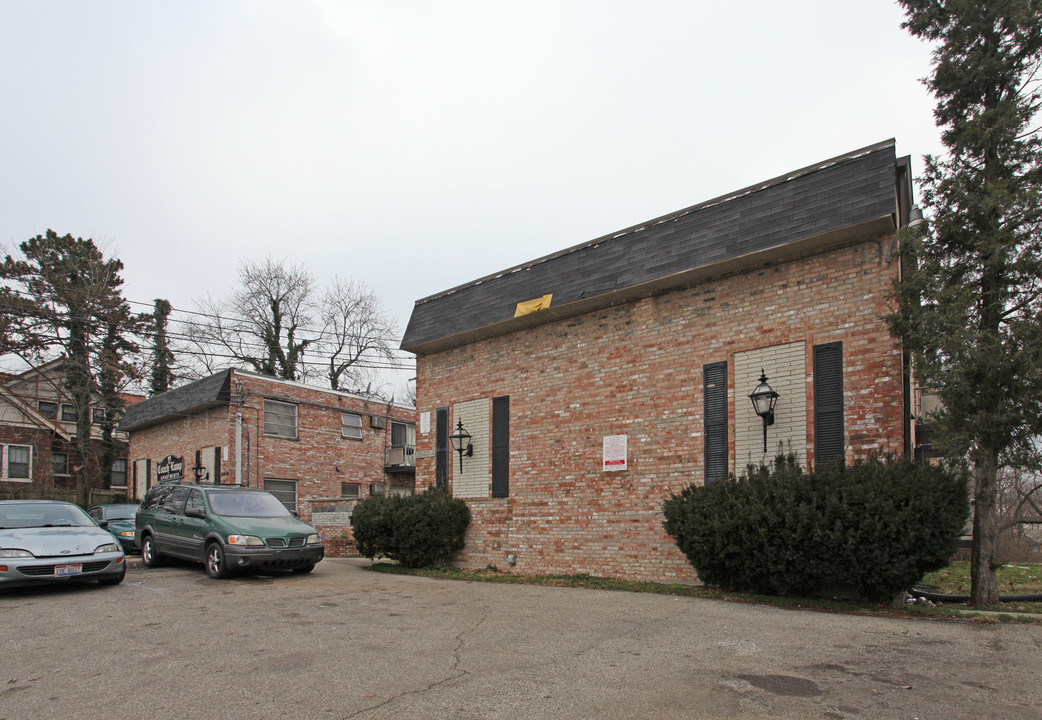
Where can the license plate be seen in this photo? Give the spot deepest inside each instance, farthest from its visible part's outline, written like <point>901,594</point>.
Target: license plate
<point>63,570</point>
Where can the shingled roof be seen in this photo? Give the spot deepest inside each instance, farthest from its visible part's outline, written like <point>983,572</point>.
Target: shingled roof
<point>187,399</point>
<point>852,194</point>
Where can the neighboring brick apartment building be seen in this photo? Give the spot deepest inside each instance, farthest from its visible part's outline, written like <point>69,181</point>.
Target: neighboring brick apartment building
<point>318,450</point>
<point>38,436</point>
<point>597,381</point>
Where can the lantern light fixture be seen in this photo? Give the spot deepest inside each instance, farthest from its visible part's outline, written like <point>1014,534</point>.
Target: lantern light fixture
<point>764,400</point>
<point>461,443</point>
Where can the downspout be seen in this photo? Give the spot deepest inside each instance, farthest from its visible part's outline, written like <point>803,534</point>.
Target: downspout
<point>903,191</point>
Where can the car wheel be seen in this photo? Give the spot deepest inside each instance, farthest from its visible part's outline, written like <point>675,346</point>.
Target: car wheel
<point>149,556</point>
<point>305,569</point>
<point>216,567</point>
<point>114,580</point>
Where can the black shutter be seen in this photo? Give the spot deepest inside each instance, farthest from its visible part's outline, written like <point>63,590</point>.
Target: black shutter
<point>714,390</point>
<point>501,447</point>
<point>217,464</point>
<point>441,449</point>
<point>828,402</point>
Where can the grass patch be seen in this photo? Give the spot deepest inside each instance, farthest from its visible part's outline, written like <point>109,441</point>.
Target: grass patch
<point>1014,579</point>
<point>1018,576</point>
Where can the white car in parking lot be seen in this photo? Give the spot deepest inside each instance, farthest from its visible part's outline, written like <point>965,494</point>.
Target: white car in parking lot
<point>47,541</point>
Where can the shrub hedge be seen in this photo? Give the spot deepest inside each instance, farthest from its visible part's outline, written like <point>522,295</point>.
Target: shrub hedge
<point>416,530</point>
<point>873,528</point>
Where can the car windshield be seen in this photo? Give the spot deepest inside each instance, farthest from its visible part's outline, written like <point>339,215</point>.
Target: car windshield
<point>32,515</point>
<point>246,504</point>
<point>121,512</point>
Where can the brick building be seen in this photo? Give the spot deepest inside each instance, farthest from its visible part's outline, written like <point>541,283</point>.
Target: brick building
<point>318,450</point>
<point>38,437</point>
<point>597,381</point>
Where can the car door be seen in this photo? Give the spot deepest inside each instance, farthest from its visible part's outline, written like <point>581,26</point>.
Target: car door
<point>169,522</point>
<point>193,529</point>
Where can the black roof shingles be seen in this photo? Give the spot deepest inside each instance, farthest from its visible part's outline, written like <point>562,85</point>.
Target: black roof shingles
<point>831,195</point>
<point>210,391</point>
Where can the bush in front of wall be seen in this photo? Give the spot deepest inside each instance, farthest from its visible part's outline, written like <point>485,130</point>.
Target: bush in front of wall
<point>872,528</point>
<point>372,525</point>
<point>417,531</point>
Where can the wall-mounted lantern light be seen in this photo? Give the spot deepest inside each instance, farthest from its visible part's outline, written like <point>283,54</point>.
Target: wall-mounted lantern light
<point>461,443</point>
<point>915,217</point>
<point>764,399</point>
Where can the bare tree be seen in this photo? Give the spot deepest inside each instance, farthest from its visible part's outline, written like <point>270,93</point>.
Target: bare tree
<point>355,332</point>
<point>276,322</point>
<point>261,324</point>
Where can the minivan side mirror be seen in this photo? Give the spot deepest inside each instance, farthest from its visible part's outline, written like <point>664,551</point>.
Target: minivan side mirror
<point>195,512</point>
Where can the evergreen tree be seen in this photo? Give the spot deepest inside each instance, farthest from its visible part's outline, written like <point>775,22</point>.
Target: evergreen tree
<point>970,302</point>
<point>162,357</point>
<point>62,296</point>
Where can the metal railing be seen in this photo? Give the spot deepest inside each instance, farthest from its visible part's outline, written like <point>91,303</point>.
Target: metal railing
<point>402,456</point>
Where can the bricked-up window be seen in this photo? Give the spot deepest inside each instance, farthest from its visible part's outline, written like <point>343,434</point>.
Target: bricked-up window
<point>501,447</point>
<point>18,462</point>
<point>351,426</point>
<point>280,419</point>
<point>714,383</point>
<point>60,463</point>
<point>828,402</point>
<point>284,490</point>
<point>350,490</point>
<point>119,473</point>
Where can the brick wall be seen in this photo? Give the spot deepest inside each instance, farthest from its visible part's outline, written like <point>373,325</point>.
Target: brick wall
<point>636,370</point>
<point>319,459</point>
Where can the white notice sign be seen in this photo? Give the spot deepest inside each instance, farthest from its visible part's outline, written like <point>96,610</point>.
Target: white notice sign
<point>614,452</point>
<point>425,423</point>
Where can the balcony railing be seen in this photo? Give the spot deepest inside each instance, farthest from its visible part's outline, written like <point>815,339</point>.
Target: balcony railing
<point>400,459</point>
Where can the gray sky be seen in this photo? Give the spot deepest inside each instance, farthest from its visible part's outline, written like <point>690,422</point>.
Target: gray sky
<point>419,144</point>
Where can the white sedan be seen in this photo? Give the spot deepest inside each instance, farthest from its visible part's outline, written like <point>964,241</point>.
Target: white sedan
<point>47,541</point>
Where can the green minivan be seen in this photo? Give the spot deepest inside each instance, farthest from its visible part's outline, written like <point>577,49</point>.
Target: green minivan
<point>225,527</point>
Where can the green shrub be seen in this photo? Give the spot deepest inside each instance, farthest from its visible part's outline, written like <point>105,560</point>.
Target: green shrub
<point>417,531</point>
<point>872,528</point>
<point>372,525</point>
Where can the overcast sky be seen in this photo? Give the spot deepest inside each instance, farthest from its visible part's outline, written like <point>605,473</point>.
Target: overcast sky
<point>419,144</point>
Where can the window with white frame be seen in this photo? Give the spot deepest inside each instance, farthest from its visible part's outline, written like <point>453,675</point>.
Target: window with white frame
<point>69,413</point>
<point>48,408</point>
<point>284,490</point>
<point>17,461</point>
<point>280,419</point>
<point>60,463</point>
<point>351,426</point>
<point>403,434</point>
<point>119,473</point>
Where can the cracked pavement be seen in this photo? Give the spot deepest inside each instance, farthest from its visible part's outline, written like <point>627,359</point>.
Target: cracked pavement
<point>344,642</point>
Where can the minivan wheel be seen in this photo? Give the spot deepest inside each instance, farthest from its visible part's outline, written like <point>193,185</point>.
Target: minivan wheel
<point>216,567</point>
<point>149,557</point>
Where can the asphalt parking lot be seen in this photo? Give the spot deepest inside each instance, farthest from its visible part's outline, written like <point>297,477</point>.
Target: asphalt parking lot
<point>345,642</point>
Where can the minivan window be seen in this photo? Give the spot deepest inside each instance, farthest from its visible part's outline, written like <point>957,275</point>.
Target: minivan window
<point>175,501</point>
<point>195,500</point>
<point>246,504</point>
<point>155,497</point>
